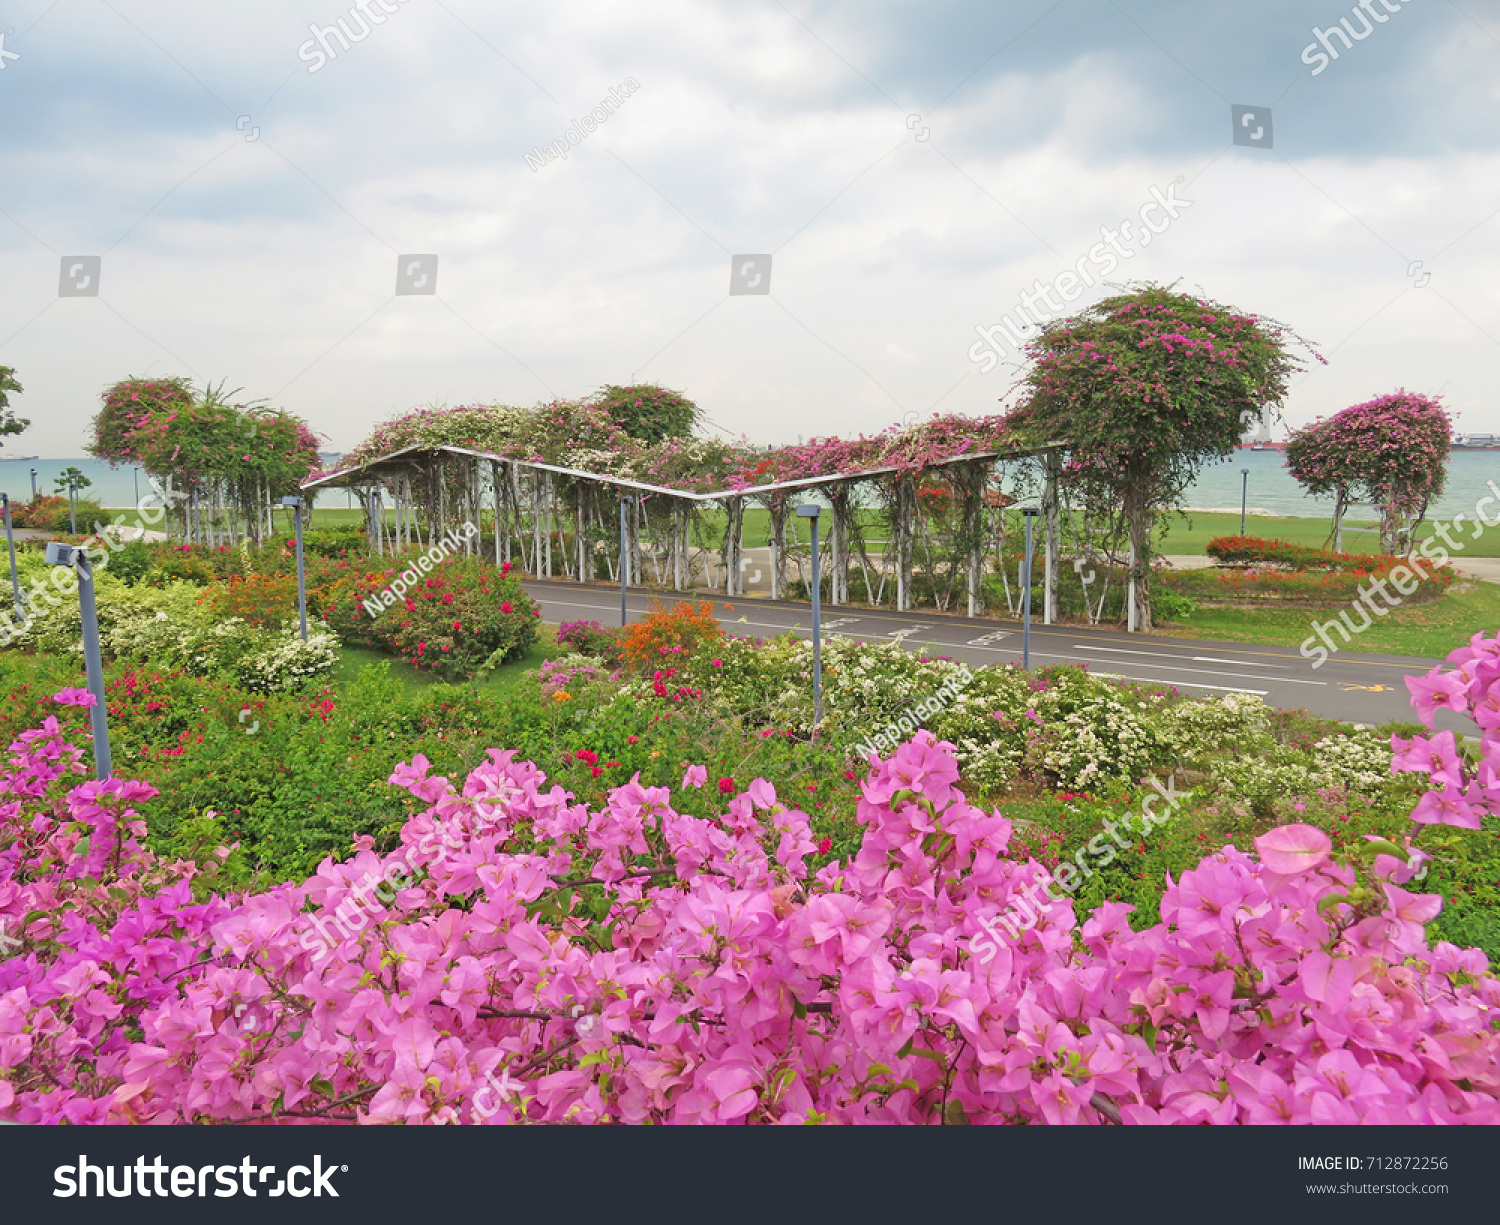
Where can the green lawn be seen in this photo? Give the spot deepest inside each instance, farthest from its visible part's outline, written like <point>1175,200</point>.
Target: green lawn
<point>1189,532</point>
<point>413,681</point>
<point>1426,630</point>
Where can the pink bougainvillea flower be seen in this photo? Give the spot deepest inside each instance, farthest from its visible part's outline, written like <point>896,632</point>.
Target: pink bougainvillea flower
<point>1434,755</point>
<point>1290,849</point>
<point>1450,806</point>
<point>696,776</point>
<point>1437,691</point>
<point>75,697</point>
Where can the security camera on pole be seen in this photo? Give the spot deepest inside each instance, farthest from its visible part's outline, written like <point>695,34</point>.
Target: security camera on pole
<point>296,504</point>
<point>59,554</point>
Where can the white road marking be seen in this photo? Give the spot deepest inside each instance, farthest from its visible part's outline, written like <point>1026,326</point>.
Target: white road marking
<point>1206,659</point>
<point>1151,680</point>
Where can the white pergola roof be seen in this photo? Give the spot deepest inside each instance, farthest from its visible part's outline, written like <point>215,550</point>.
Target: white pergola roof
<point>342,476</point>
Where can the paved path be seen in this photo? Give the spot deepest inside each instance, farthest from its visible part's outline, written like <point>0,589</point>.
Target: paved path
<point>1349,686</point>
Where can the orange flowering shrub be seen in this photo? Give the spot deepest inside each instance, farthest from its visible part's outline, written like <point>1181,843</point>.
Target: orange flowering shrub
<point>263,600</point>
<point>667,632</point>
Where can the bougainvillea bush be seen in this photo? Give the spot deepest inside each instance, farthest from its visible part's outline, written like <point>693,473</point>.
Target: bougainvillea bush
<point>671,958</point>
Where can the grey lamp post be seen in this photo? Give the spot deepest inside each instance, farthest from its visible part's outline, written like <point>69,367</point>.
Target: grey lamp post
<point>1244,496</point>
<point>625,502</point>
<point>33,484</point>
<point>10,543</point>
<point>1031,513</point>
<point>59,554</point>
<point>811,512</point>
<point>296,504</point>
<point>72,511</point>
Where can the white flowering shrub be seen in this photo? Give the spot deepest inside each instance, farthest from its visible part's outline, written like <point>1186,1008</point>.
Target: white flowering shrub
<point>1208,726</point>
<point>1358,764</point>
<point>170,627</point>
<point>286,664</point>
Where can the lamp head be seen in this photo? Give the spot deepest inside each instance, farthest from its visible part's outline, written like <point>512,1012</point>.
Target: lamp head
<point>291,501</point>
<point>59,554</point>
<point>1030,510</point>
<point>809,511</point>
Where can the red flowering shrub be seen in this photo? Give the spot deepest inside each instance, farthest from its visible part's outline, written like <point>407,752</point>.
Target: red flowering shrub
<point>49,513</point>
<point>463,615</point>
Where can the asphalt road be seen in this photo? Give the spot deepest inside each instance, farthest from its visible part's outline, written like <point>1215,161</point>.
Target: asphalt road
<point>1357,688</point>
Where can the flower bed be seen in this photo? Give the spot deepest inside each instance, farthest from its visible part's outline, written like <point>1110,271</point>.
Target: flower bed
<point>672,959</point>
<point>1238,550</point>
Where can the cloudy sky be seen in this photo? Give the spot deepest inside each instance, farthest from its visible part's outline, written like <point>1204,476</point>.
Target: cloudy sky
<point>911,168</point>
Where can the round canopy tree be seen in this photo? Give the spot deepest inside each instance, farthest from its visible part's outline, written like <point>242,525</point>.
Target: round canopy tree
<point>1391,451</point>
<point>9,422</point>
<point>1145,388</point>
<point>233,460</point>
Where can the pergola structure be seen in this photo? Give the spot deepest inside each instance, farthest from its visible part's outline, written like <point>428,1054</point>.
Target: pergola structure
<point>563,521</point>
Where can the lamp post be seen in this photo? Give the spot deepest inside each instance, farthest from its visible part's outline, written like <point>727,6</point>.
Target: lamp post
<point>624,558</point>
<point>33,484</point>
<point>1031,512</point>
<point>72,511</point>
<point>10,543</point>
<point>137,473</point>
<point>811,513</point>
<point>59,554</point>
<point>296,504</point>
<point>1244,496</point>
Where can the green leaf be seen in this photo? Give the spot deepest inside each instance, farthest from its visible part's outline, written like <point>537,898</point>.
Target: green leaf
<point>1332,900</point>
<point>923,1053</point>
<point>954,1116</point>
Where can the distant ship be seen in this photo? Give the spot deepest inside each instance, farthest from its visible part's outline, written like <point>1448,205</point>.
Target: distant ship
<point>19,458</point>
